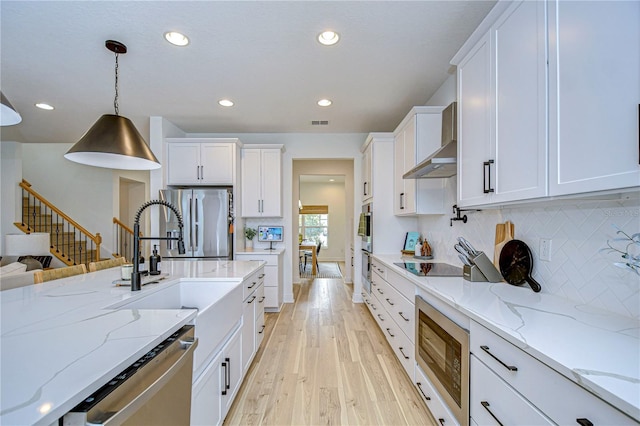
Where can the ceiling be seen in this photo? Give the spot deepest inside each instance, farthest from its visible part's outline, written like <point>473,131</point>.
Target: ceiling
<point>263,55</point>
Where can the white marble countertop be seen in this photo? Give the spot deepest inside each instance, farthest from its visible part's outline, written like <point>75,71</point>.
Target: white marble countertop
<point>258,250</point>
<point>60,341</point>
<point>598,350</point>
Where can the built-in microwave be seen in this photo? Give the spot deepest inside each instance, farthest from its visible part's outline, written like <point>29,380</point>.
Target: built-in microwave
<point>442,353</point>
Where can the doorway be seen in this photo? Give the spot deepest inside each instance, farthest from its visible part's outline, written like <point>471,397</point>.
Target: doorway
<point>324,189</point>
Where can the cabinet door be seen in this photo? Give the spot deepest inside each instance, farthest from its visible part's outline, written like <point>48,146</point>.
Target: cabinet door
<point>520,138</point>
<point>216,163</point>
<point>595,92</point>
<point>474,118</point>
<point>232,353</point>
<point>367,184</point>
<point>206,395</point>
<point>399,198</point>
<point>271,183</point>
<point>183,160</point>
<point>248,330</point>
<point>251,184</point>
<point>409,162</point>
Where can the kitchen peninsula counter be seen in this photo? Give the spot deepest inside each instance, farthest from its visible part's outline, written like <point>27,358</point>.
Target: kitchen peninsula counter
<point>596,349</point>
<point>61,341</point>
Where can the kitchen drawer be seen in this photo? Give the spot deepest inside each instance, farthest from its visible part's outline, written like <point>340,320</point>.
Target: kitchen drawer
<point>437,406</point>
<point>402,311</point>
<point>251,284</point>
<point>379,268</point>
<point>494,402</point>
<point>402,346</point>
<point>260,330</point>
<point>534,380</point>
<point>406,287</point>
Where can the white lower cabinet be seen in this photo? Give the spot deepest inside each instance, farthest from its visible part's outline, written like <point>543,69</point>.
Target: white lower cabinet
<point>273,282</point>
<point>214,390</point>
<point>250,312</point>
<point>494,402</point>
<point>532,380</point>
<point>436,406</point>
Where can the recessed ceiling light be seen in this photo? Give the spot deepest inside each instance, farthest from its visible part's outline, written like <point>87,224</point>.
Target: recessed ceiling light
<point>332,180</point>
<point>42,105</point>
<point>328,38</point>
<point>324,102</point>
<point>225,102</point>
<point>176,38</point>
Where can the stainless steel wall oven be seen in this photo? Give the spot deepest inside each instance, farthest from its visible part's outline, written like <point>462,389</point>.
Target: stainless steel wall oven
<point>365,231</point>
<point>442,352</point>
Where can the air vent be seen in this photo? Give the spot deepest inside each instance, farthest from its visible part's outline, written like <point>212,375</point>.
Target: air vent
<point>319,122</point>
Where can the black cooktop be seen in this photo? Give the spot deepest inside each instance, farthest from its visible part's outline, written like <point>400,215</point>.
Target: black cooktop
<point>423,269</point>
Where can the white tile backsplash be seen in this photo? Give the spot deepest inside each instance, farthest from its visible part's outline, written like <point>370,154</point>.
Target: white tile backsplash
<point>579,229</point>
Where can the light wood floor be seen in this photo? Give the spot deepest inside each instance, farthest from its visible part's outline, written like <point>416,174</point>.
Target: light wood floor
<point>325,361</point>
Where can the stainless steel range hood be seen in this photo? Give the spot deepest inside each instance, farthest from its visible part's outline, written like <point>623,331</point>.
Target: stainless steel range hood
<point>443,162</point>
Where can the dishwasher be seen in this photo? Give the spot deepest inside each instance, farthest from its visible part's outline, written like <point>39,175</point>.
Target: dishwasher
<point>155,390</point>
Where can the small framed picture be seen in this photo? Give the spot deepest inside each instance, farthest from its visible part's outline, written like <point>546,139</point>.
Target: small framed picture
<point>410,240</point>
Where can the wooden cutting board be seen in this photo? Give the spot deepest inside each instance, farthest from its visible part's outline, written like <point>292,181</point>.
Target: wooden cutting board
<point>505,232</point>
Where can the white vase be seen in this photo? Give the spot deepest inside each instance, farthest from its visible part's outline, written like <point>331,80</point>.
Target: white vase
<point>249,244</point>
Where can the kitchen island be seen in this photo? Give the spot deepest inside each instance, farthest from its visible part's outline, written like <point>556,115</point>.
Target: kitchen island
<point>596,350</point>
<point>63,339</point>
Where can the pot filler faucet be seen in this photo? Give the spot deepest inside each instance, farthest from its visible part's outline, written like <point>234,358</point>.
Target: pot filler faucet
<point>135,276</point>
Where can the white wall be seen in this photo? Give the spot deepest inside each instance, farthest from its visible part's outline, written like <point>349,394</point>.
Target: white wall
<point>579,229</point>
<point>10,193</point>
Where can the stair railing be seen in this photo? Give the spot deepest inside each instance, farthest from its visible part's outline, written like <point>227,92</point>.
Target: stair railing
<point>70,242</point>
<point>123,236</point>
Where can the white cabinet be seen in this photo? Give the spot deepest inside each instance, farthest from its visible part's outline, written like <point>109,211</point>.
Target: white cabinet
<point>430,396</point>
<point>502,101</point>
<point>261,181</point>
<point>415,138</point>
<point>191,161</point>
<point>513,382</point>
<point>253,308</point>
<point>367,175</point>
<point>273,285</point>
<point>214,390</point>
<point>595,95</point>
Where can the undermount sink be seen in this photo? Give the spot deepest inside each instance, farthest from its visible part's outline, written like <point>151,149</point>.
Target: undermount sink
<point>219,306</point>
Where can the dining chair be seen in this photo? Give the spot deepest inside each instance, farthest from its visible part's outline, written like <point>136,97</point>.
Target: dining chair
<point>104,264</point>
<point>309,255</point>
<point>57,273</point>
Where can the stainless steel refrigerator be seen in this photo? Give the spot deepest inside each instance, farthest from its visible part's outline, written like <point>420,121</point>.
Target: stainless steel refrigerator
<point>206,214</point>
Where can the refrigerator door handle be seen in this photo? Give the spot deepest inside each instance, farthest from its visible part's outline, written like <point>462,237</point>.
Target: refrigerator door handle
<point>197,243</point>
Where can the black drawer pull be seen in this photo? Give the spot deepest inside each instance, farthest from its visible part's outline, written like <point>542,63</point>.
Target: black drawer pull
<point>261,299</point>
<point>441,421</point>
<point>422,392</point>
<point>261,276</point>
<point>262,329</point>
<point>406,319</point>
<point>374,307</point>
<point>403,354</point>
<point>253,285</point>
<point>380,291</point>
<point>584,422</point>
<point>508,367</point>
<point>390,302</point>
<point>486,183</point>
<point>389,332</point>
<point>485,404</point>
<point>380,316</point>
<point>251,301</point>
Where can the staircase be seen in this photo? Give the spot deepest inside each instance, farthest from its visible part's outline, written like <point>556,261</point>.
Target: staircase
<point>70,242</point>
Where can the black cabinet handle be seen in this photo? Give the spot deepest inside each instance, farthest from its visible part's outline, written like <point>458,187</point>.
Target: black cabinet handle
<point>486,406</point>
<point>508,367</point>
<point>262,329</point>
<point>441,421</point>
<point>380,291</point>
<point>422,392</point>
<point>390,302</point>
<point>406,319</point>
<point>252,299</point>
<point>374,307</point>
<point>380,316</point>
<point>403,354</point>
<point>253,285</point>
<point>402,201</point>
<point>262,299</point>
<point>364,189</point>
<point>584,422</point>
<point>389,333</point>
<point>226,369</point>
<point>486,176</point>
<point>261,276</point>
<point>228,375</point>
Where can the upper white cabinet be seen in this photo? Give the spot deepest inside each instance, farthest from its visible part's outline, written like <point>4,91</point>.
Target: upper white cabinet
<point>548,101</point>
<point>502,147</point>
<point>417,137</point>
<point>367,173</point>
<point>595,95</point>
<point>261,181</point>
<point>192,161</point>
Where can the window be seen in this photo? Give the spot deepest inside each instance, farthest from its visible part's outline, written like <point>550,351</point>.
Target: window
<point>313,224</point>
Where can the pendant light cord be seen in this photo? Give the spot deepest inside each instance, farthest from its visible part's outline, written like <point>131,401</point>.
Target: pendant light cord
<point>115,100</point>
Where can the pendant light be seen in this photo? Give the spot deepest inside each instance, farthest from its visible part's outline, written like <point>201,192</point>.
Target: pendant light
<point>113,141</point>
<point>8,114</point>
